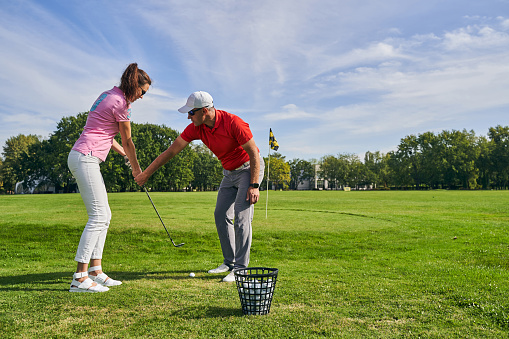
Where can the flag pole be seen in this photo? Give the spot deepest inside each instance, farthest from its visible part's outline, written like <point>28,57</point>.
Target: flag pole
<point>272,144</point>
<point>267,200</point>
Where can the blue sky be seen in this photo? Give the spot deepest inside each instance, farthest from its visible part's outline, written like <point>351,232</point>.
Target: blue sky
<point>328,76</point>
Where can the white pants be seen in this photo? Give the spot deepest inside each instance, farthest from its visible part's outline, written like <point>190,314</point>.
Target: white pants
<point>86,171</point>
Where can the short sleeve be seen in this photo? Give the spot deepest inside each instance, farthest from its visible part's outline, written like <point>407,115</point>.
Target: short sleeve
<point>190,133</point>
<point>121,112</point>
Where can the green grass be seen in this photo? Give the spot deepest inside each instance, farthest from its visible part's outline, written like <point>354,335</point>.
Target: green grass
<point>431,264</point>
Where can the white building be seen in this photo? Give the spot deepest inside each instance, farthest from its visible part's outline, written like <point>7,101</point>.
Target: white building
<point>317,183</point>
<point>21,188</point>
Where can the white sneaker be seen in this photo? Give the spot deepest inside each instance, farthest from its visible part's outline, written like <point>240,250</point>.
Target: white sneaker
<point>87,285</point>
<point>230,277</point>
<point>221,269</point>
<point>104,280</point>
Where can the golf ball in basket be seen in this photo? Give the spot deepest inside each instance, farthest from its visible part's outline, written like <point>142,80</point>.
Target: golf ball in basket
<point>191,275</point>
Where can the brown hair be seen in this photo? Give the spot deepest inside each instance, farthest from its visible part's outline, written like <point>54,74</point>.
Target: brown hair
<point>133,78</point>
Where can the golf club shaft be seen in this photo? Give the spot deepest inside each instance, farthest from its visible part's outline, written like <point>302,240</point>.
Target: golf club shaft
<point>148,195</point>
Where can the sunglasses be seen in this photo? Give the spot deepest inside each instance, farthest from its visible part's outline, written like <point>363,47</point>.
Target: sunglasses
<point>193,111</point>
<point>143,91</point>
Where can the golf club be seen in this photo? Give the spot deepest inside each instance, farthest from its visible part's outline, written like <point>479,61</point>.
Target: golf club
<point>160,218</point>
<point>128,164</point>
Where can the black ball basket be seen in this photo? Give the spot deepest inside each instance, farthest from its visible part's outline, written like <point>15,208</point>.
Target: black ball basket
<point>256,288</point>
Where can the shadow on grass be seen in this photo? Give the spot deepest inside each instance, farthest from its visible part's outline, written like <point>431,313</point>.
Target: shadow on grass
<point>208,312</point>
<point>26,282</point>
<point>53,280</point>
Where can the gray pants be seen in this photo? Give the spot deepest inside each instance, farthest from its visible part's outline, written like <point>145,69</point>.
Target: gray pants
<point>234,215</point>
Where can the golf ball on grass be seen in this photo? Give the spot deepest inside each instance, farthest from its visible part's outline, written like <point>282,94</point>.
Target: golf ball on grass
<point>191,275</point>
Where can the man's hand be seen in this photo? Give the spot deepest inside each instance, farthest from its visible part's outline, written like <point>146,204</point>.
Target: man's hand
<point>141,179</point>
<point>136,172</point>
<point>253,194</point>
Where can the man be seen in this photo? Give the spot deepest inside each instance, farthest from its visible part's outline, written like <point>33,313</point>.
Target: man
<point>231,140</point>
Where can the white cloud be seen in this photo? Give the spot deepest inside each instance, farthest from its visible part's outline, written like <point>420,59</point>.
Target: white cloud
<point>288,112</point>
<point>237,47</point>
<point>473,37</point>
<point>504,23</point>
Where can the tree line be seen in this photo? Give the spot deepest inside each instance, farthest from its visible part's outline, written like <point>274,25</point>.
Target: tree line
<point>446,160</point>
<point>449,159</point>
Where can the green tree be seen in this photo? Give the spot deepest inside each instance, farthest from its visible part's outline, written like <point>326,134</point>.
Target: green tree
<point>377,170</point>
<point>333,170</point>
<point>300,171</point>
<point>499,139</point>
<point>207,169</point>
<point>151,140</point>
<point>370,167</point>
<point>46,162</point>
<point>57,149</point>
<point>278,170</point>
<point>355,174</point>
<point>460,157</point>
<point>406,162</point>
<point>1,177</point>
<point>431,148</point>
<point>345,169</point>
<point>14,152</point>
<point>446,159</point>
<point>386,174</point>
<point>485,161</point>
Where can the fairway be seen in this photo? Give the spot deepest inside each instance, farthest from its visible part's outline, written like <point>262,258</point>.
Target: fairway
<point>378,264</point>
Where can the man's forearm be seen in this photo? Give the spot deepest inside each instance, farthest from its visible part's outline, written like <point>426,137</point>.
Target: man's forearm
<point>254,163</point>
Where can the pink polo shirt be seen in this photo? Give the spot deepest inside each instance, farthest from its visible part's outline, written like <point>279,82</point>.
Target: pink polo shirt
<point>102,123</point>
<point>224,139</point>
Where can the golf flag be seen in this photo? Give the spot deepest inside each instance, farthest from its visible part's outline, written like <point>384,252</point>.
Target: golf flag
<point>272,141</point>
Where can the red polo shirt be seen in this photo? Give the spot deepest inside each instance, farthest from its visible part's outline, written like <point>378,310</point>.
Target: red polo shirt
<point>224,139</point>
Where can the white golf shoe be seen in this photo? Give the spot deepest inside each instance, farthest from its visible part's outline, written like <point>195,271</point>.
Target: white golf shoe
<point>102,278</point>
<point>86,285</point>
<point>230,277</point>
<point>221,269</point>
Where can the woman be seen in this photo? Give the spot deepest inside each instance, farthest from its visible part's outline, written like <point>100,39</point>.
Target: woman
<point>109,115</point>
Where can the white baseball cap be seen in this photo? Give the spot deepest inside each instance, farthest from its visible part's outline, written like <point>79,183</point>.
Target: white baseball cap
<point>197,100</point>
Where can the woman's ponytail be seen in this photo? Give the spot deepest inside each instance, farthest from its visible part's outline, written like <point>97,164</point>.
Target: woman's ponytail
<point>132,79</point>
